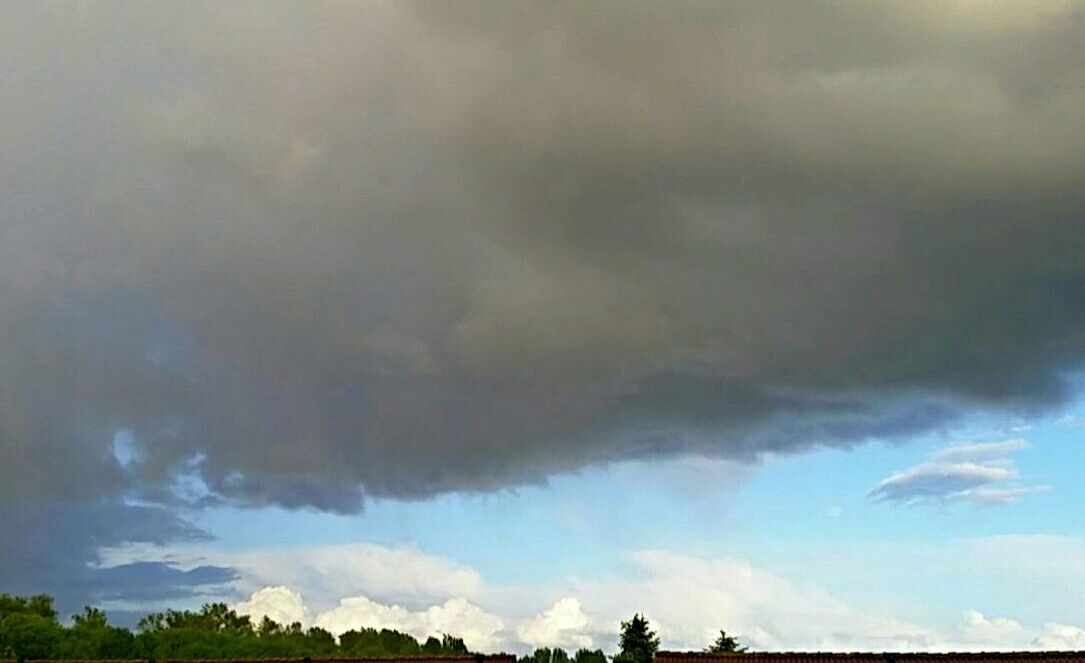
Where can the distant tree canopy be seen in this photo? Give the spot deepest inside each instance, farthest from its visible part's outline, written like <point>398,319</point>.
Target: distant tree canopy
<point>726,644</point>
<point>637,641</point>
<point>558,655</point>
<point>30,629</point>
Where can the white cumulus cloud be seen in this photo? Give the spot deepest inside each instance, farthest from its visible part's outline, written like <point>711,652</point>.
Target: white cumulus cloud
<point>563,625</point>
<point>1064,637</point>
<point>281,604</point>
<point>479,629</point>
<point>978,629</point>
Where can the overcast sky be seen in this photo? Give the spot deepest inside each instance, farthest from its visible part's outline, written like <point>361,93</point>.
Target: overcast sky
<point>508,319</point>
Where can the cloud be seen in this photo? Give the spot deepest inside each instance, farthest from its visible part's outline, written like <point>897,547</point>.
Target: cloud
<point>1000,495</point>
<point>563,625</point>
<point>157,581</point>
<point>979,633</point>
<point>479,629</point>
<point>980,451</point>
<point>1070,420</point>
<point>402,575</point>
<point>280,604</point>
<point>939,481</point>
<point>403,249</point>
<point>687,599</point>
<point>980,473</point>
<point>397,575</point>
<point>691,598</point>
<point>55,548</point>
<point>1062,637</point>
<point>980,630</point>
<point>1035,558</point>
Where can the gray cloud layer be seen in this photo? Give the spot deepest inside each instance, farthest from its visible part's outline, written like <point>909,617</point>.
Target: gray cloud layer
<point>48,546</point>
<point>310,253</point>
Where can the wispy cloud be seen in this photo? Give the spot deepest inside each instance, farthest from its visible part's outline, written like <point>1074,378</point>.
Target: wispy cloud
<point>980,451</point>
<point>979,472</point>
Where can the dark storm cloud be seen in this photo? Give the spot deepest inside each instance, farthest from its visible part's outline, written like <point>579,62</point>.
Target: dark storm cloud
<point>306,253</point>
<point>48,548</point>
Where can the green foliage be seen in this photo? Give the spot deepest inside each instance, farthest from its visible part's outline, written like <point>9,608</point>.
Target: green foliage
<point>215,631</point>
<point>453,646</point>
<point>546,655</point>
<point>386,642</point>
<point>39,604</point>
<point>638,642</point>
<point>395,643</point>
<point>589,656</point>
<point>91,636</point>
<point>213,617</point>
<point>320,642</point>
<point>432,647</point>
<point>557,655</point>
<point>26,635</point>
<point>292,641</point>
<point>29,629</point>
<point>726,644</point>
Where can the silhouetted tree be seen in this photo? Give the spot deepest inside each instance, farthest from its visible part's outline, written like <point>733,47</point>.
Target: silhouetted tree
<point>637,640</point>
<point>725,644</point>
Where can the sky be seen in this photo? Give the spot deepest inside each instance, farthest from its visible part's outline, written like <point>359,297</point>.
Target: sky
<point>509,319</point>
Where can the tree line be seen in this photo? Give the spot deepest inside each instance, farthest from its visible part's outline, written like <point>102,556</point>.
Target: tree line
<point>30,628</point>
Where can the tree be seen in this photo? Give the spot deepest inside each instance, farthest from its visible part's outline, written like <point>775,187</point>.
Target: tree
<point>547,655</point>
<point>432,646</point>
<point>91,637</point>
<point>453,646</point>
<point>362,642</point>
<point>215,631</point>
<point>29,627</point>
<point>212,617</point>
<point>278,641</point>
<point>589,656</point>
<point>638,641</point>
<point>726,644</point>
<point>39,604</point>
<point>24,636</point>
<point>394,643</point>
<point>319,642</point>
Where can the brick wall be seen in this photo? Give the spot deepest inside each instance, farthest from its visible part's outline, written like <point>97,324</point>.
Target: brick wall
<point>480,658</point>
<point>831,657</point>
